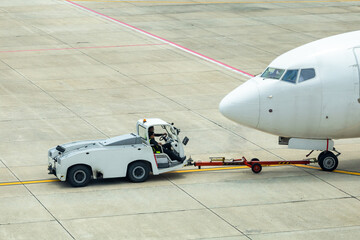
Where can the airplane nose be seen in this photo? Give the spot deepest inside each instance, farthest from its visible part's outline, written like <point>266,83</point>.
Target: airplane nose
<point>242,105</point>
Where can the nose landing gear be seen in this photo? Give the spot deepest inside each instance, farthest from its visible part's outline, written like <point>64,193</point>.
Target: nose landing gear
<point>328,161</point>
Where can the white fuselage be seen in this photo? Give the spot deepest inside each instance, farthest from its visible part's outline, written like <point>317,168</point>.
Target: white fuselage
<point>326,106</point>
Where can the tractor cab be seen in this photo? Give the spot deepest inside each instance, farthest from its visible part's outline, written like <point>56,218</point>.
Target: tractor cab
<point>165,133</point>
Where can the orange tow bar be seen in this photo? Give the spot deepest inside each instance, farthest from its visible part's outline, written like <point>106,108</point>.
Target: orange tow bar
<point>255,164</point>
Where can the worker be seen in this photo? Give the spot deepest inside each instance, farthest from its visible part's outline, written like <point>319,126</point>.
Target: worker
<point>151,131</point>
<point>166,148</point>
<point>154,144</point>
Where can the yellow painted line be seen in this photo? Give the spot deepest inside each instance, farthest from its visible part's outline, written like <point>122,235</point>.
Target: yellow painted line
<point>306,166</point>
<point>347,172</point>
<point>337,171</point>
<point>28,182</point>
<point>216,2</point>
<point>181,171</point>
<point>186,171</point>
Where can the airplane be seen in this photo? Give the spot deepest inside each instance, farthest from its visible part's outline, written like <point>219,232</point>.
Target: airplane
<point>307,96</point>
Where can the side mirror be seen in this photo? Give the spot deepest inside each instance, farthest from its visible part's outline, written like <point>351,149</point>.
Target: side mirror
<point>185,141</point>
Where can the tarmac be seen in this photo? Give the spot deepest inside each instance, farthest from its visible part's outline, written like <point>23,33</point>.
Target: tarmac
<point>78,70</point>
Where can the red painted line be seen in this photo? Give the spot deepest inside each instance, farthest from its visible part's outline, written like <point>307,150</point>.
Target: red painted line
<point>77,48</point>
<point>164,40</point>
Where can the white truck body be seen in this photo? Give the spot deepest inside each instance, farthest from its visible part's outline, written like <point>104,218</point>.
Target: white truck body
<point>110,158</point>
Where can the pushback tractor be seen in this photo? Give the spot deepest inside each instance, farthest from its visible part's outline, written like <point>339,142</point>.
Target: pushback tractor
<point>129,155</point>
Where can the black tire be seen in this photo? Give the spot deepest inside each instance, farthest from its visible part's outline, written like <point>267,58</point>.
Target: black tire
<point>321,154</point>
<point>328,161</point>
<point>256,167</point>
<point>255,160</point>
<point>79,176</point>
<point>138,172</point>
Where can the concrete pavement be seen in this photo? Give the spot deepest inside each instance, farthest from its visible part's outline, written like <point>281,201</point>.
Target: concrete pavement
<point>72,72</point>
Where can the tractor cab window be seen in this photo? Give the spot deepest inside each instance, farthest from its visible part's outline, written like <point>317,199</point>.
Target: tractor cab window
<point>170,132</point>
<point>290,76</point>
<point>306,74</point>
<point>273,73</point>
<point>142,132</point>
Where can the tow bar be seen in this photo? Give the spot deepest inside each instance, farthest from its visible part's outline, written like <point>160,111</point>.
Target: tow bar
<point>255,164</point>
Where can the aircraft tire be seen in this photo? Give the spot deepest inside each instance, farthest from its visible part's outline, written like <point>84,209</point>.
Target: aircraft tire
<point>328,161</point>
<point>321,154</point>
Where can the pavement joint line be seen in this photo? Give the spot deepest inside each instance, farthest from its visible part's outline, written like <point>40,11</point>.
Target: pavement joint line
<point>38,200</point>
<point>307,230</point>
<point>19,223</point>
<point>221,64</point>
<point>284,202</point>
<point>330,184</point>
<point>79,48</point>
<point>132,214</point>
<point>115,215</point>
<point>207,208</point>
<point>221,237</point>
<point>69,117</point>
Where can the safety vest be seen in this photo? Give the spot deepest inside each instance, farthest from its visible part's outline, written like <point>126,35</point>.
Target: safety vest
<point>153,148</point>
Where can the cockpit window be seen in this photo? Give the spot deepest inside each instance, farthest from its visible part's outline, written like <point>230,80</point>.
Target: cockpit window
<point>273,73</point>
<point>306,74</point>
<point>290,76</point>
